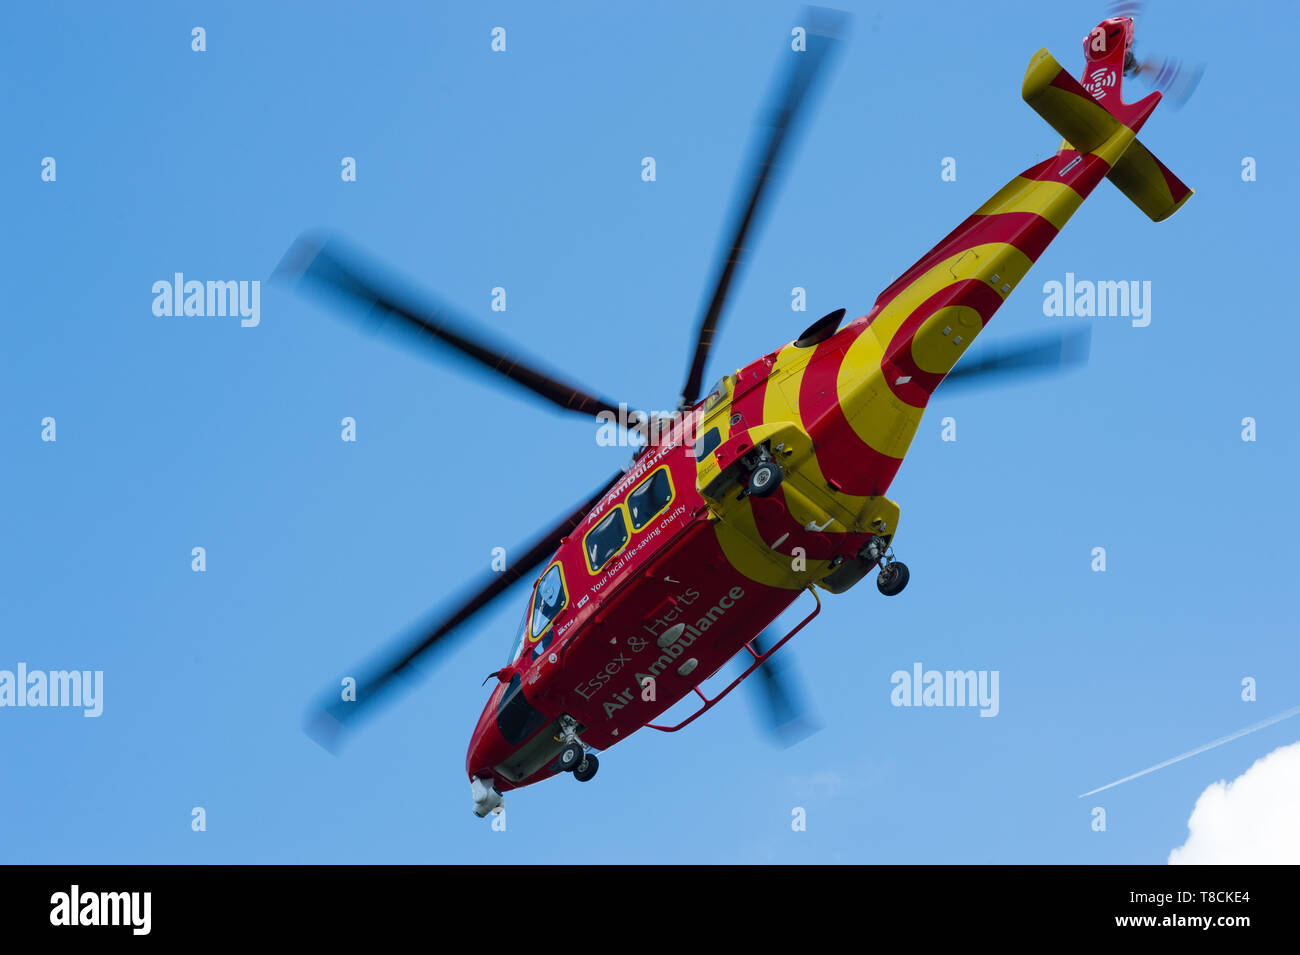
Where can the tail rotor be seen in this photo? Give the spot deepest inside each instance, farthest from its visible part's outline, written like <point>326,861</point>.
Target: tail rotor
<point>1176,78</point>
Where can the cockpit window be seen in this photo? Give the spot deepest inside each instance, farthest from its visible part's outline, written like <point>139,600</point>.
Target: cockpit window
<point>605,540</point>
<point>649,498</point>
<point>548,600</point>
<point>522,641</point>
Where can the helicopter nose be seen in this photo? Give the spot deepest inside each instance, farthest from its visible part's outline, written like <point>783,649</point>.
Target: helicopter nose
<point>478,761</point>
<point>486,747</point>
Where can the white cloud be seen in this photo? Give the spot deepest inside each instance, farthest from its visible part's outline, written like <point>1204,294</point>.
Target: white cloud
<point>1255,819</point>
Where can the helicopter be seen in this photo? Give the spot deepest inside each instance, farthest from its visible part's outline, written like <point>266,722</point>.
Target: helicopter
<point>770,487</point>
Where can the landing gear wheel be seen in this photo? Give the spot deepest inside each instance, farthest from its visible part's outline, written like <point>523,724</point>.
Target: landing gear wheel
<point>765,479</point>
<point>892,578</point>
<point>571,756</point>
<point>587,768</point>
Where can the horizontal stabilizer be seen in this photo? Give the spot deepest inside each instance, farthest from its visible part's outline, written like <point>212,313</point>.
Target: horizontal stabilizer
<point>1149,183</point>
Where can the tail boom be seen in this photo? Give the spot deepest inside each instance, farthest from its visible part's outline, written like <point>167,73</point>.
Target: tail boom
<point>923,322</point>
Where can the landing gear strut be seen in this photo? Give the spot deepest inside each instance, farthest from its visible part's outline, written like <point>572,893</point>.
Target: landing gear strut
<point>574,757</point>
<point>573,753</point>
<point>893,575</point>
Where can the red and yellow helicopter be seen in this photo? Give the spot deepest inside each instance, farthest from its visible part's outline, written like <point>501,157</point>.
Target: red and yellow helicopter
<point>773,484</point>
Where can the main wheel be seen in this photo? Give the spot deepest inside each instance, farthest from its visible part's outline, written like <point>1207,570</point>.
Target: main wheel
<point>892,579</point>
<point>571,756</point>
<point>587,768</point>
<point>765,479</point>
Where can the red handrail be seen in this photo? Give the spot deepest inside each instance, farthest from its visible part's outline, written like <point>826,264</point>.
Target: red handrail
<point>759,660</point>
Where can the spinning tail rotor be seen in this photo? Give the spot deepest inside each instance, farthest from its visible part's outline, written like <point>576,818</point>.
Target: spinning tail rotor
<point>1176,78</point>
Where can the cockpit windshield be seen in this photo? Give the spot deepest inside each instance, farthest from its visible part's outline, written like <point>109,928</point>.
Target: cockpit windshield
<point>549,598</point>
<point>547,601</point>
<point>522,638</point>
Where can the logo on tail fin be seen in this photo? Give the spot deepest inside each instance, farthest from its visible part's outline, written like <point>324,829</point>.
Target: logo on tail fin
<point>1099,81</point>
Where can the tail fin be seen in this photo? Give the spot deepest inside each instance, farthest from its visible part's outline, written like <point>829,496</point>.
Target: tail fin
<point>1093,117</point>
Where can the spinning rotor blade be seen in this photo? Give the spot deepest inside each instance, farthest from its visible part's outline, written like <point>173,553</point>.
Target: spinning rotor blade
<point>1047,353</point>
<point>326,264</point>
<point>1175,79</point>
<point>822,27</point>
<point>332,717</point>
<point>781,705</point>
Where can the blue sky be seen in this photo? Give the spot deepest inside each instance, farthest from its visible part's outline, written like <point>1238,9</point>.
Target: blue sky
<point>522,170</point>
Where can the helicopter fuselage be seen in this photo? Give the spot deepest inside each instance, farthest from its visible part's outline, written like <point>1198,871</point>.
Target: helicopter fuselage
<point>774,485</point>
<point>678,592</point>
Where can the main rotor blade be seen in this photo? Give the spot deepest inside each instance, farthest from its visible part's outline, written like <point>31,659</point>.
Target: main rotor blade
<point>335,715</point>
<point>1047,353</point>
<point>822,27</point>
<point>328,265</point>
<point>781,705</point>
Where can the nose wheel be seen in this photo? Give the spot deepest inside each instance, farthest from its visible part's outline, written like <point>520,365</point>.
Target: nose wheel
<point>586,769</point>
<point>570,757</point>
<point>574,758</point>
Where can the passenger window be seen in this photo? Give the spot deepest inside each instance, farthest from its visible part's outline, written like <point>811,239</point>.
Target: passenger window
<point>547,601</point>
<point>707,444</point>
<point>651,497</point>
<point>605,540</point>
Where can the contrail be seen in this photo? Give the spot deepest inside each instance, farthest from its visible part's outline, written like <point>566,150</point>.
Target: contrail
<point>1200,749</point>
